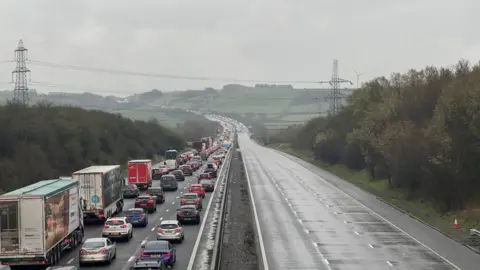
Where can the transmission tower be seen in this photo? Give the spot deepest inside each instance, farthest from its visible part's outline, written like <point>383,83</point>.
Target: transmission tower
<point>335,97</point>
<point>21,92</point>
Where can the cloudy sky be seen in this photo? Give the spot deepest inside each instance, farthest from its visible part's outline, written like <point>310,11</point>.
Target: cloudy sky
<point>274,40</point>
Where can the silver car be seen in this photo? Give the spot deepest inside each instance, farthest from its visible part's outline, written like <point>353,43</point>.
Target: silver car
<point>95,250</point>
<point>170,230</point>
<point>117,227</point>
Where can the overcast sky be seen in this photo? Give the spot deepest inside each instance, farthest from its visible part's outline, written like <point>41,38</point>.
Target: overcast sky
<point>247,39</point>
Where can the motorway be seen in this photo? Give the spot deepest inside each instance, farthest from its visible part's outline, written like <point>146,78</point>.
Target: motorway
<point>127,252</point>
<point>310,219</point>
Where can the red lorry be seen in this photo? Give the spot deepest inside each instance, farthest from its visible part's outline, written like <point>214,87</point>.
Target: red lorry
<point>140,173</point>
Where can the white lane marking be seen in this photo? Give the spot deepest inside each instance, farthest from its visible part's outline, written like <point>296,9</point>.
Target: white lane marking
<point>173,202</point>
<point>390,264</point>
<point>153,229</point>
<point>255,214</point>
<point>167,210</point>
<point>370,245</point>
<point>131,259</point>
<point>202,227</point>
<point>178,197</point>
<point>377,214</point>
<point>70,261</point>
<point>161,218</point>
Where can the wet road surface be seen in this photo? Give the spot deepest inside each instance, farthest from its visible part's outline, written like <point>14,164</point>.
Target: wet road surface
<point>127,252</point>
<point>308,223</point>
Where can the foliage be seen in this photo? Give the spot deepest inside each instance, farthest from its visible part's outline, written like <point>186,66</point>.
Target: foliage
<point>194,130</point>
<point>45,141</point>
<point>419,130</point>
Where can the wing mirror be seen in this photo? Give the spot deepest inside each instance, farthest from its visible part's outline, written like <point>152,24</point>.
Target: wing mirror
<point>142,245</point>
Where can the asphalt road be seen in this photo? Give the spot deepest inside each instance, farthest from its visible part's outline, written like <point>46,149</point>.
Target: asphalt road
<point>311,219</point>
<point>127,252</point>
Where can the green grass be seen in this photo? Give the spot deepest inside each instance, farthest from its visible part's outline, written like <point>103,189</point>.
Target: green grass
<point>144,115</point>
<point>420,209</point>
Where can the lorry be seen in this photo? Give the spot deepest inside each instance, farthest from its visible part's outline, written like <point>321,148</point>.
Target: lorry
<point>140,173</point>
<point>38,222</point>
<point>101,191</point>
<point>197,146</point>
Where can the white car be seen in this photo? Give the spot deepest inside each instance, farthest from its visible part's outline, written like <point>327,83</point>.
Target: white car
<point>170,230</point>
<point>96,250</point>
<point>117,228</point>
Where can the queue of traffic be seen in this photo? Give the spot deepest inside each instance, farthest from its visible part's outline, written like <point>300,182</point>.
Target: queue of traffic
<point>97,194</point>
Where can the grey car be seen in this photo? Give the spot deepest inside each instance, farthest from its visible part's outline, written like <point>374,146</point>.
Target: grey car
<point>170,230</point>
<point>169,182</point>
<point>95,250</point>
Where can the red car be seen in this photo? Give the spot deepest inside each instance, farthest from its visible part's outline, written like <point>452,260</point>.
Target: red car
<point>203,176</point>
<point>197,188</point>
<point>147,203</point>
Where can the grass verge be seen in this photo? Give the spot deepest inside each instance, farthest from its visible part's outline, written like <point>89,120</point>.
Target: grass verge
<point>422,210</point>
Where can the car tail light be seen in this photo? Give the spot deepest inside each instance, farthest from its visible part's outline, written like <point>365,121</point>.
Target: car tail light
<point>183,201</point>
<point>101,216</point>
<point>197,200</point>
<point>103,250</point>
<point>176,230</point>
<point>142,216</point>
<point>147,193</point>
<point>123,226</point>
<point>150,201</point>
<point>127,216</point>
<point>144,255</point>
<point>83,252</point>
<point>179,213</point>
<point>168,254</point>
<point>195,213</point>
<point>106,227</point>
<point>160,230</point>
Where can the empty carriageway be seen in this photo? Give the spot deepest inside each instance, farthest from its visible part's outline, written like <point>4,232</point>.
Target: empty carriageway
<point>305,222</point>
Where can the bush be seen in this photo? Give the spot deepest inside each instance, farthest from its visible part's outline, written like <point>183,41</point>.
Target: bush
<point>45,141</point>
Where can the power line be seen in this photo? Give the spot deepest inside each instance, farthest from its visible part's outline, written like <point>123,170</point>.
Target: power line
<point>159,75</point>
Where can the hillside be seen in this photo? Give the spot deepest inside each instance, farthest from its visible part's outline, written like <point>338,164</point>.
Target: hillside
<point>412,140</point>
<point>276,106</point>
<point>44,141</point>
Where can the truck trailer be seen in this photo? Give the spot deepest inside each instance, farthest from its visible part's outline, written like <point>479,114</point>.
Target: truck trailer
<point>140,173</point>
<point>101,194</point>
<point>38,222</point>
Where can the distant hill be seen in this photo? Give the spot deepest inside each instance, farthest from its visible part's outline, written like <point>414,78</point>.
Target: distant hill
<point>275,105</point>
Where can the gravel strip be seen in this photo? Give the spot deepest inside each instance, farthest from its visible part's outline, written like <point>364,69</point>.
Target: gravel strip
<point>239,247</point>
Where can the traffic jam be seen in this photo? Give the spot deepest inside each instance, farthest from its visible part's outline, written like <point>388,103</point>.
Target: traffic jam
<point>99,192</point>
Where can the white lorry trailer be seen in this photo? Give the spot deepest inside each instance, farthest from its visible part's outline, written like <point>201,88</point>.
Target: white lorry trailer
<point>38,222</point>
<point>101,194</point>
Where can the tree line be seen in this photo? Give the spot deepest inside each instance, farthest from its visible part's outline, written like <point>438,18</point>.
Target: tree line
<point>44,141</point>
<point>419,130</point>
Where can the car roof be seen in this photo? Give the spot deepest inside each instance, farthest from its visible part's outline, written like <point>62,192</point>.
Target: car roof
<point>188,206</point>
<point>97,239</point>
<point>191,193</point>
<point>135,209</point>
<point>169,222</point>
<point>195,185</point>
<point>116,218</point>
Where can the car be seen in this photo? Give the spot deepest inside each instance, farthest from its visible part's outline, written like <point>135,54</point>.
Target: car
<point>186,169</point>
<point>178,175</point>
<point>191,199</point>
<point>197,159</point>
<point>159,250</point>
<point>157,173</point>
<point>117,227</point>
<point>131,191</point>
<point>197,188</point>
<point>169,182</point>
<point>202,176</point>
<point>149,265</point>
<point>136,216</point>
<point>170,230</point>
<point>156,193</point>
<point>146,202</point>
<point>208,185</point>
<point>194,165</point>
<point>97,250</point>
<point>211,169</point>
<point>188,213</point>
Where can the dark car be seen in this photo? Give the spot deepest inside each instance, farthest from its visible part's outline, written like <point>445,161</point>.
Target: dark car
<point>136,216</point>
<point>188,214</point>
<point>178,175</point>
<point>194,165</point>
<point>169,182</point>
<point>149,265</point>
<point>156,193</point>
<point>131,191</point>
<point>159,250</point>
<point>147,203</point>
<point>186,169</point>
<point>157,173</point>
<point>208,185</point>
<point>211,169</point>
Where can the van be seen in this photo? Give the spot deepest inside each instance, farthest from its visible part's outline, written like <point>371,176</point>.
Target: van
<point>169,182</point>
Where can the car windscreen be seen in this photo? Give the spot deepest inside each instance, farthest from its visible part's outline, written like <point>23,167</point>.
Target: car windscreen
<point>168,226</point>
<point>143,198</point>
<point>190,196</point>
<point>195,187</point>
<point>154,190</point>
<point>204,175</point>
<point>168,178</point>
<point>156,245</point>
<point>94,244</point>
<point>133,213</point>
<point>205,182</point>
<point>210,166</point>
<point>114,222</point>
